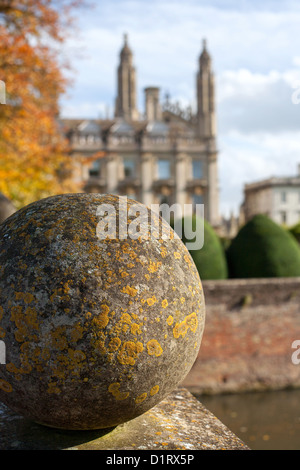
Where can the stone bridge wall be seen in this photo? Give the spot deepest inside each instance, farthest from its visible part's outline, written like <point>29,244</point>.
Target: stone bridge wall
<point>247,342</point>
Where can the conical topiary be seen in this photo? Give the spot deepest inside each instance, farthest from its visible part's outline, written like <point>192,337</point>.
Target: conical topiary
<point>263,249</point>
<point>210,260</point>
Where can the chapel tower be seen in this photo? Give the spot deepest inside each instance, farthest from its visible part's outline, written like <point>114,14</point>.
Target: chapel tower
<point>205,96</point>
<point>126,97</point>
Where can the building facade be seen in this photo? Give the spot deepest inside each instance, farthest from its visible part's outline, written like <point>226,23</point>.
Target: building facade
<point>278,198</point>
<point>163,155</point>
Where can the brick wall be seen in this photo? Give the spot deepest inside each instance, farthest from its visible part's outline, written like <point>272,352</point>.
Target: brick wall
<point>247,341</point>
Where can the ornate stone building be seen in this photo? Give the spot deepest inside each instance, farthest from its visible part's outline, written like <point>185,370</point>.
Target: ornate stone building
<point>165,155</point>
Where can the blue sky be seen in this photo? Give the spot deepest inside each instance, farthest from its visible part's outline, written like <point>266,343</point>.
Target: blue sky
<point>255,48</point>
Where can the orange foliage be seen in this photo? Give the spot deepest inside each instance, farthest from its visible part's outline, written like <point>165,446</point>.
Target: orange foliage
<point>34,161</point>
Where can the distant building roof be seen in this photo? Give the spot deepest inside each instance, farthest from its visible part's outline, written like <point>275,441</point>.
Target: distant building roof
<point>89,127</point>
<point>157,128</point>
<point>122,128</point>
<point>274,181</point>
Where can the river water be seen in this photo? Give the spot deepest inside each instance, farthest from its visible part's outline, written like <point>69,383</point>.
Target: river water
<point>262,420</point>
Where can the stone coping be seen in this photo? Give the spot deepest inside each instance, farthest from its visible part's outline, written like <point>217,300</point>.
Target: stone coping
<point>251,281</point>
<point>180,422</point>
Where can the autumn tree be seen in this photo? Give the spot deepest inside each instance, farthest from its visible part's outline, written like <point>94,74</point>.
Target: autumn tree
<point>34,160</point>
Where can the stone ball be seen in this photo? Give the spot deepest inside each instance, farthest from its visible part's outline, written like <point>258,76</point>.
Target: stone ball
<point>101,311</point>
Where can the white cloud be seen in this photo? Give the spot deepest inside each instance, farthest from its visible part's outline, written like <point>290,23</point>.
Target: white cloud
<point>249,101</point>
<point>245,158</point>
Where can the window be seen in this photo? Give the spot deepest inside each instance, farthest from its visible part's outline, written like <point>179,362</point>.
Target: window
<point>197,169</point>
<point>164,170</point>
<point>283,196</point>
<point>96,168</point>
<point>129,168</point>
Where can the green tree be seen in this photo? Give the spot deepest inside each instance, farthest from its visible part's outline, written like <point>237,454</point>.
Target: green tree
<point>295,231</point>
<point>263,249</point>
<point>210,260</point>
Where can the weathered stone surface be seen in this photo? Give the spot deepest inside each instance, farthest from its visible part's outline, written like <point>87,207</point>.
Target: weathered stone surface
<point>96,331</point>
<point>179,422</point>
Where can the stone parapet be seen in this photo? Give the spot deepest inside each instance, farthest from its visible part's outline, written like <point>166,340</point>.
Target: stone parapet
<point>178,423</point>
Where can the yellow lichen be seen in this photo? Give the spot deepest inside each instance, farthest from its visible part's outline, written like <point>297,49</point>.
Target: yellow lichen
<point>135,329</point>
<point>31,318</point>
<point>190,322</point>
<point>141,398</point>
<point>76,355</point>
<point>151,300</point>
<point>16,311</point>
<point>10,367</point>
<point>132,291</point>
<point>114,389</point>
<point>187,259</point>
<point>76,332</point>
<point>99,345</point>
<point>170,320</point>
<point>154,390</point>
<point>180,329</point>
<point>114,344</point>
<point>105,309</point>
<point>164,303</point>
<point>126,318</point>
<point>26,296</point>
<point>154,348</point>
<point>100,321</point>
<point>153,267</point>
<point>177,255</point>
<point>5,386</point>
<point>53,388</point>
<point>58,338</point>
<point>129,352</point>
